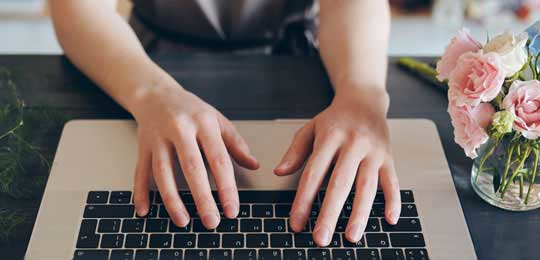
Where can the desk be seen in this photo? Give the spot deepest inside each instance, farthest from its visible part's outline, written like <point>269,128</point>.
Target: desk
<point>268,88</point>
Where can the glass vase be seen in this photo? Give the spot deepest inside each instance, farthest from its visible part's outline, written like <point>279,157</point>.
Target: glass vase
<point>507,172</point>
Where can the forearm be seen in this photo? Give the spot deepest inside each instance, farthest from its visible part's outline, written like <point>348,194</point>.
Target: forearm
<point>103,46</point>
<point>353,41</point>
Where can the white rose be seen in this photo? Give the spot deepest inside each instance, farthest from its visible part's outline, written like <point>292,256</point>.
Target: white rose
<point>512,50</point>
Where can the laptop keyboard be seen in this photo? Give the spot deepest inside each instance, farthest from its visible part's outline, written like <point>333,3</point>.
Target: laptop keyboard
<point>111,230</point>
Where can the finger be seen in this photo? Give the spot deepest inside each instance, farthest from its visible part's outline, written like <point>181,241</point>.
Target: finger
<point>143,170</point>
<point>236,145</point>
<point>298,151</point>
<point>366,188</point>
<point>310,181</point>
<point>196,177</point>
<point>162,163</point>
<point>221,166</point>
<point>390,186</point>
<point>338,189</point>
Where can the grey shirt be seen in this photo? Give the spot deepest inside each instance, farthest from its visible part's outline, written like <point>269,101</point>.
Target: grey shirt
<point>229,22</point>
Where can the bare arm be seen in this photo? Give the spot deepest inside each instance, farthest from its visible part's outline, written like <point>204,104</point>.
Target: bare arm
<point>171,121</point>
<point>352,131</point>
<point>104,47</point>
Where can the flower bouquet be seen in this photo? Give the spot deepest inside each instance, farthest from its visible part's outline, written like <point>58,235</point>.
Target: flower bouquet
<point>494,105</point>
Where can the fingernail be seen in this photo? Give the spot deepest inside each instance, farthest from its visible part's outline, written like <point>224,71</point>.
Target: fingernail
<point>283,165</point>
<point>395,217</point>
<point>323,234</point>
<point>184,218</point>
<point>230,209</point>
<point>210,220</point>
<point>355,232</point>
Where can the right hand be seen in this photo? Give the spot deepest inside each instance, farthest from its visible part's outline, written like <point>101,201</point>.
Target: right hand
<point>173,121</point>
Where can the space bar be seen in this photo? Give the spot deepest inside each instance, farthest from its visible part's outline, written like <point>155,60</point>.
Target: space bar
<point>109,211</point>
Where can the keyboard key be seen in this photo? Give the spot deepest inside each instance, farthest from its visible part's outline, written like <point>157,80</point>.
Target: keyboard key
<point>275,225</point>
<point>120,197</point>
<point>186,197</point>
<point>194,254</point>
<point>416,254</point>
<point>282,210</point>
<point>112,240</point>
<point>408,210</point>
<point>368,254</point>
<point>306,228</point>
<point>109,211</point>
<point>220,254</point>
<point>304,240</point>
<point>341,224</point>
<point>347,243</point>
<point>373,225</point>
<point>228,225</point>
<point>163,212</point>
<point>88,241</point>
<point>266,196</point>
<point>294,254</point>
<point>208,240</point>
<point>407,196</point>
<point>97,197</point>
<point>199,227</point>
<point>250,225</point>
<point>232,240</point>
<point>270,254</point>
<point>377,239</point>
<point>346,211</point>
<point>160,240</point>
<point>336,241</point>
<point>132,225</point>
<point>245,254</point>
<point>281,240</point>
<point>407,240</point>
<point>146,254</point>
<point>158,199</point>
<point>318,254</point>
<point>343,254</point>
<point>176,229</point>
<point>403,225</point>
<point>156,225</point>
<point>245,211</point>
<point>262,211</point>
<point>256,240</point>
<point>392,254</point>
<point>314,212</point>
<point>184,240</point>
<point>121,254</point>
<point>379,198</point>
<point>88,227</point>
<point>109,225</point>
<point>136,240</point>
<point>170,254</point>
<point>192,210</point>
<point>152,212</point>
<point>377,210</point>
<point>91,255</point>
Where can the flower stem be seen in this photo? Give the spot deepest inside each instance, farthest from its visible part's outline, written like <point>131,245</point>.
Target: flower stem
<point>516,170</point>
<point>486,156</point>
<point>531,183</point>
<point>521,186</point>
<point>507,168</point>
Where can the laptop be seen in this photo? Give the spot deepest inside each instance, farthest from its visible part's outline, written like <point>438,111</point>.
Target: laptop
<point>87,209</point>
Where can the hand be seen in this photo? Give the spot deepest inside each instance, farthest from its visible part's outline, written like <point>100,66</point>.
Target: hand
<point>353,132</point>
<point>173,121</point>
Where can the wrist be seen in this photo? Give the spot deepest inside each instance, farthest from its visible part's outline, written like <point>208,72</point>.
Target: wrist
<point>375,98</point>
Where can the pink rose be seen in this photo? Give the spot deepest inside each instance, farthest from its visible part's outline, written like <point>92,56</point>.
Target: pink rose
<point>523,101</point>
<point>478,77</point>
<point>470,125</point>
<point>463,42</point>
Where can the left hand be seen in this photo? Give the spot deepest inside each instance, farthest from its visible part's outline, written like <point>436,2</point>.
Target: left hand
<point>353,133</point>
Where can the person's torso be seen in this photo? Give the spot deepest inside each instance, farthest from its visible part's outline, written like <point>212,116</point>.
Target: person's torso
<point>225,20</point>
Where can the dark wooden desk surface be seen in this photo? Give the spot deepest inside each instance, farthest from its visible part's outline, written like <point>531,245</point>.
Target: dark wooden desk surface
<point>268,88</point>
